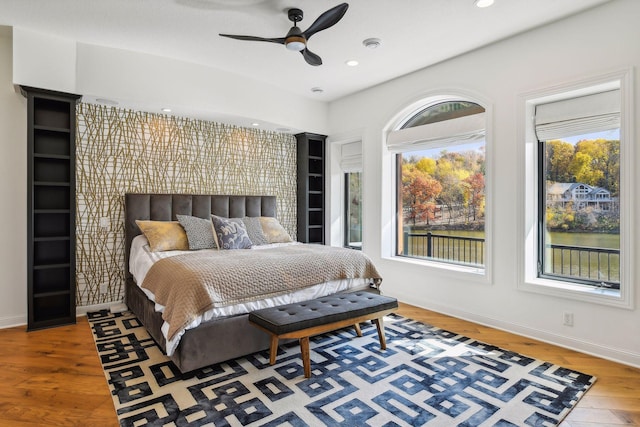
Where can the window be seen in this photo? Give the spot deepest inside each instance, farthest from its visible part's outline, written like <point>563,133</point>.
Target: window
<point>577,211</point>
<point>440,184</point>
<point>578,165</point>
<point>351,166</point>
<point>353,210</point>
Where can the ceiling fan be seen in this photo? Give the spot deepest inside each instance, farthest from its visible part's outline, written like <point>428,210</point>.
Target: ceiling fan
<point>297,40</point>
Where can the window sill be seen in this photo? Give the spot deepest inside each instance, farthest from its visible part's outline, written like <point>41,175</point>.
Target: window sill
<point>557,288</point>
<point>474,274</point>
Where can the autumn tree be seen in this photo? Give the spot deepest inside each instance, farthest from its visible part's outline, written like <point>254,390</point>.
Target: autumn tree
<point>419,191</point>
<point>474,194</point>
<point>559,156</point>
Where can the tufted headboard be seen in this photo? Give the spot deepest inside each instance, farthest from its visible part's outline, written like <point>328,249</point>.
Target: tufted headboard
<point>165,207</point>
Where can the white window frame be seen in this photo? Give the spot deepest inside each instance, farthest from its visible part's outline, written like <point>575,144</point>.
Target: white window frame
<point>528,198</point>
<point>390,188</point>
<point>336,186</point>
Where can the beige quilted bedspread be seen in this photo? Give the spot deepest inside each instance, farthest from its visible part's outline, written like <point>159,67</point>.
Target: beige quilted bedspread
<point>190,284</point>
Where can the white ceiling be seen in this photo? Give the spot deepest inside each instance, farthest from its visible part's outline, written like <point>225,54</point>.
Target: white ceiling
<point>414,33</point>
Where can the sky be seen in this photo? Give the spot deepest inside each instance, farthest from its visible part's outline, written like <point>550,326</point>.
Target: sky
<point>613,134</point>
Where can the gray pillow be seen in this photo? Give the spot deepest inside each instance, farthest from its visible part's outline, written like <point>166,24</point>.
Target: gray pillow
<point>254,230</point>
<point>199,232</point>
<point>231,233</point>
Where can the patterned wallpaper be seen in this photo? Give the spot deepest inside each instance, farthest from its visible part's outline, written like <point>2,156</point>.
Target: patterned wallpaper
<point>119,151</point>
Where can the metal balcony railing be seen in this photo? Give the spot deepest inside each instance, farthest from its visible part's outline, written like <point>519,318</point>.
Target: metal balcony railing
<point>453,249</point>
<point>599,267</point>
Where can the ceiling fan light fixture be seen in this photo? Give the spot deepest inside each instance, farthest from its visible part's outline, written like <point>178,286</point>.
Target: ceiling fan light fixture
<point>295,43</point>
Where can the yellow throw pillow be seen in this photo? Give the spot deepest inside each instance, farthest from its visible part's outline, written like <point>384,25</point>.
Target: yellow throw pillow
<point>274,232</point>
<point>164,235</point>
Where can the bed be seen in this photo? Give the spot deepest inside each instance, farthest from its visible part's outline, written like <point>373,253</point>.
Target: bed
<point>226,334</point>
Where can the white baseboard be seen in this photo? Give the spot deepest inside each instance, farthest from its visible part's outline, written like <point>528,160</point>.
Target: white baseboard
<point>616,355</point>
<point>11,321</point>
<point>83,310</point>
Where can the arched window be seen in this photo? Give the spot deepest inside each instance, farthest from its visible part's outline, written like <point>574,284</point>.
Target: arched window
<point>440,183</point>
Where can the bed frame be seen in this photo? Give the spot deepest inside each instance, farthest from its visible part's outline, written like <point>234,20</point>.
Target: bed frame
<point>214,341</point>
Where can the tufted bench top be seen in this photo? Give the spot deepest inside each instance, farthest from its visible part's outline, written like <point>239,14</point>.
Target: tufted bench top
<point>330,309</point>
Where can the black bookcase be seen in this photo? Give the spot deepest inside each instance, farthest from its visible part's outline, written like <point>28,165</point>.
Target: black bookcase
<point>311,187</point>
<point>51,281</point>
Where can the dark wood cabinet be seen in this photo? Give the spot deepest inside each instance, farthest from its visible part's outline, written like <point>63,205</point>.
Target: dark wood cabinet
<point>51,281</point>
<point>311,187</point>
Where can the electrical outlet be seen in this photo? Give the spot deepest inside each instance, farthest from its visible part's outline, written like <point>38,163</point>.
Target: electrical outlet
<point>567,318</point>
<point>104,288</point>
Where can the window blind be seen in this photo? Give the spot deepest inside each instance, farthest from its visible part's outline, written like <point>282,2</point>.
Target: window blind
<point>458,131</point>
<point>576,116</point>
<point>351,157</point>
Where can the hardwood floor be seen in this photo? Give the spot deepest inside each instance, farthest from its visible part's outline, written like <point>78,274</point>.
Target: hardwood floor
<point>53,377</point>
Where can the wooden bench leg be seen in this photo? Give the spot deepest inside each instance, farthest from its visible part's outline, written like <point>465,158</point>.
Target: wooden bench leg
<point>380,325</point>
<point>306,359</point>
<point>358,330</point>
<point>274,349</point>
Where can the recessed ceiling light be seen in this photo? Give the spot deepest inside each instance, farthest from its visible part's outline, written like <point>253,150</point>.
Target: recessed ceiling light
<point>352,63</point>
<point>484,3</point>
<point>372,43</point>
<point>166,110</point>
<point>317,90</point>
<point>255,124</point>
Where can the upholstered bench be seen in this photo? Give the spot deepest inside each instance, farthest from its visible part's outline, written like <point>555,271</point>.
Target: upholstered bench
<point>308,318</point>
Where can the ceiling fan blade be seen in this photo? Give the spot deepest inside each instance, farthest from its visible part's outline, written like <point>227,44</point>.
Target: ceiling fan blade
<point>279,40</point>
<point>311,58</point>
<point>326,20</point>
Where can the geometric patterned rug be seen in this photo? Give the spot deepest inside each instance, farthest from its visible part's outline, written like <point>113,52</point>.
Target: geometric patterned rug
<point>426,376</point>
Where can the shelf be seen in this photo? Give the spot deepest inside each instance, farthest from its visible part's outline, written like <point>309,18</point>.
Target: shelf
<point>51,239</point>
<point>311,187</point>
<point>51,170</point>
<point>50,266</point>
<point>51,121</point>
<point>47,141</point>
<point>52,128</point>
<point>51,184</point>
<point>52,114</point>
<point>52,224</point>
<point>50,294</point>
<point>51,198</point>
<point>51,211</point>
<point>52,279</point>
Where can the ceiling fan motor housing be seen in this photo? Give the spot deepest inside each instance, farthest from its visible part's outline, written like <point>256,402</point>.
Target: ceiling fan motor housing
<point>295,15</point>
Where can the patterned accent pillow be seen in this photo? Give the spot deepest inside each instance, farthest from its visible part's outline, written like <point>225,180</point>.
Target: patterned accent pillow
<point>231,233</point>
<point>199,232</point>
<point>274,231</point>
<point>254,230</point>
<point>164,235</point>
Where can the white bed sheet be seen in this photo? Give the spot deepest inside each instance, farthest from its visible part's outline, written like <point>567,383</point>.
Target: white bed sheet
<point>141,259</point>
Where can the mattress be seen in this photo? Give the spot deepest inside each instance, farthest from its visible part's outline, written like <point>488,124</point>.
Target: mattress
<point>142,259</point>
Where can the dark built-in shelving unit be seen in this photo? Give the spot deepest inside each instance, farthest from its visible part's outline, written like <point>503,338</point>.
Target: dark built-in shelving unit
<point>311,187</point>
<point>51,122</point>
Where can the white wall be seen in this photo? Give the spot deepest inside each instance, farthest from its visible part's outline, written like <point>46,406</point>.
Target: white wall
<point>147,82</point>
<point>590,44</point>
<point>44,61</point>
<point>13,186</point>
